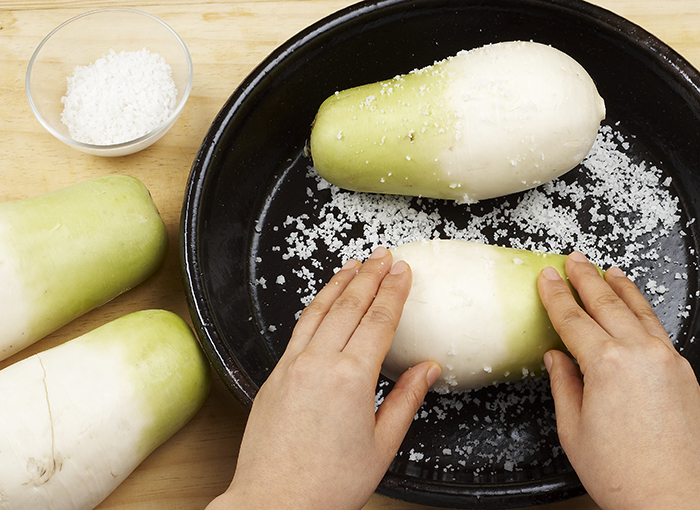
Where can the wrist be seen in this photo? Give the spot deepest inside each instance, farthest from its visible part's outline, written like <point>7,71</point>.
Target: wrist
<point>255,497</point>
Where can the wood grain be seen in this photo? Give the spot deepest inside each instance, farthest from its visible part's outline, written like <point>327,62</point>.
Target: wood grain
<point>227,40</point>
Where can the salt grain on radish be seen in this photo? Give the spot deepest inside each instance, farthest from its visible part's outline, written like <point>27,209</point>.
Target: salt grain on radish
<point>619,211</point>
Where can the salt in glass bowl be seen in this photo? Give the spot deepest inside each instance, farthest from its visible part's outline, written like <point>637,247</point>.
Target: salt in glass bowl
<point>82,40</point>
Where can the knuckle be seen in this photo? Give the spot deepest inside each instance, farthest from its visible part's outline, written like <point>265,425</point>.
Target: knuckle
<point>347,371</point>
<point>413,397</point>
<point>556,382</point>
<point>650,354</point>
<point>313,310</point>
<point>395,284</point>
<point>306,372</point>
<point>379,315</point>
<point>644,312</point>
<point>605,301</point>
<point>410,395</point>
<point>349,302</point>
<point>301,365</point>
<point>661,354</point>
<point>613,354</point>
<point>411,389</point>
<point>569,316</point>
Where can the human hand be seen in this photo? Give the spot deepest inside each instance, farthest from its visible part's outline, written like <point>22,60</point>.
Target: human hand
<point>631,425</point>
<point>313,440</point>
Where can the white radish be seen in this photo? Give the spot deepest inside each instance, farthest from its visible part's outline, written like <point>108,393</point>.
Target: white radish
<point>474,309</point>
<point>77,419</point>
<point>484,123</point>
<point>69,251</point>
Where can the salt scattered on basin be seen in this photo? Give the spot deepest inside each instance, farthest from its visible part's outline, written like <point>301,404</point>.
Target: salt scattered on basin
<point>119,97</point>
<point>616,209</point>
<point>617,213</point>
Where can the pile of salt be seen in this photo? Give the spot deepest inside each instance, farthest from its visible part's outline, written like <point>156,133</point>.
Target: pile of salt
<point>119,97</point>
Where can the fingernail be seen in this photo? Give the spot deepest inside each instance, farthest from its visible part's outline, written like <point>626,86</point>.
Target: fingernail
<point>433,374</point>
<point>547,360</point>
<point>551,274</point>
<point>349,264</point>
<point>400,267</point>
<point>615,271</point>
<point>577,256</point>
<point>379,253</point>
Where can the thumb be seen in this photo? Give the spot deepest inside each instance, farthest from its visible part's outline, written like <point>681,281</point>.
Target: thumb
<point>396,413</point>
<point>567,390</point>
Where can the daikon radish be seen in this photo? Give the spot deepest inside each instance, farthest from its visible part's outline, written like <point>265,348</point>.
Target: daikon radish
<point>484,123</point>
<point>77,419</point>
<point>474,309</point>
<point>69,251</point>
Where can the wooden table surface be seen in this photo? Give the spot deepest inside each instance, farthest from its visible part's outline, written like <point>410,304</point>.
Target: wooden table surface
<point>227,39</point>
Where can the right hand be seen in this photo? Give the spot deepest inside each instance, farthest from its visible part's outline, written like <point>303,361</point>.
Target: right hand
<point>628,415</point>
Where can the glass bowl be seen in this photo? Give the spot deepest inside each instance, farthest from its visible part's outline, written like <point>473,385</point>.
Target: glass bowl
<point>86,38</point>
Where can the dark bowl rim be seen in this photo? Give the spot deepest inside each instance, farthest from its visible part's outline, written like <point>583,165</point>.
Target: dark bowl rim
<point>432,492</point>
<point>685,74</point>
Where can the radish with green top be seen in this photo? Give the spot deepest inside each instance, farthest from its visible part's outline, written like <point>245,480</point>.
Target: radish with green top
<point>69,251</point>
<point>77,419</point>
<point>474,309</point>
<point>484,123</point>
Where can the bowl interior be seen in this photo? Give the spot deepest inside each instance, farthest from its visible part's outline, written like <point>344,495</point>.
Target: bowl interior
<point>252,173</point>
<point>84,39</point>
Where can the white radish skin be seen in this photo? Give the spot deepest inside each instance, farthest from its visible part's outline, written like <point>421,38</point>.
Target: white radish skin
<point>69,251</point>
<point>485,123</point>
<point>79,418</point>
<point>474,309</point>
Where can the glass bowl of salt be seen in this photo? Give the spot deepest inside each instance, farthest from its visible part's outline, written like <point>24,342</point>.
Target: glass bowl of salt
<point>109,82</point>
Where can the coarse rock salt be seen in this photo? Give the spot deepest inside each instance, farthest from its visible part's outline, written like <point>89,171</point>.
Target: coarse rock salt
<point>119,97</point>
<point>616,210</point>
<point>559,216</point>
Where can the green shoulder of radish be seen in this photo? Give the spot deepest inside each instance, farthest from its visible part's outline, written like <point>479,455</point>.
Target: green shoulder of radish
<point>474,309</point>
<point>77,419</point>
<point>69,251</point>
<point>484,123</point>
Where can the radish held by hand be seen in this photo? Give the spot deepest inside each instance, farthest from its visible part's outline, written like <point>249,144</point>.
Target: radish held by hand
<point>474,309</point>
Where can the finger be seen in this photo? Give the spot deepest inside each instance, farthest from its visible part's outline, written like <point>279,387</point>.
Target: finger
<point>348,309</point>
<point>395,414</point>
<point>567,391</point>
<point>599,300</point>
<point>316,311</point>
<point>575,327</point>
<point>373,336</point>
<point>637,303</point>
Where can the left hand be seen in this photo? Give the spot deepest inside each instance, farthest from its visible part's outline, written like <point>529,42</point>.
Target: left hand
<point>313,439</point>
